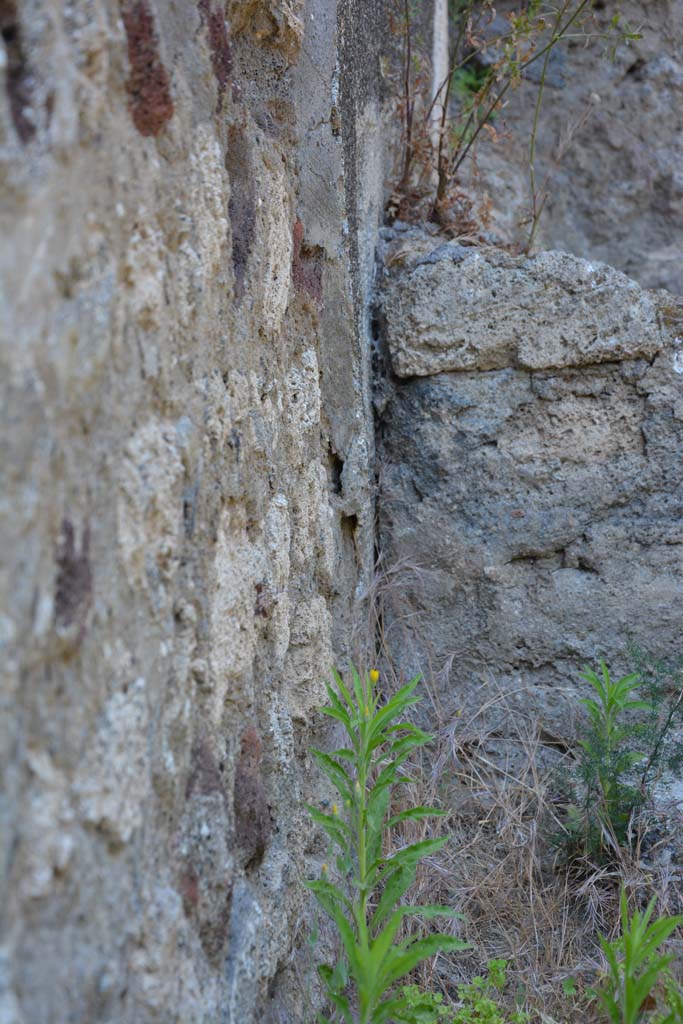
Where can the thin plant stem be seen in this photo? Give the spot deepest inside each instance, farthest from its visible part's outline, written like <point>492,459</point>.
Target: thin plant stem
<point>656,750</point>
<point>442,163</point>
<point>408,151</point>
<point>536,208</point>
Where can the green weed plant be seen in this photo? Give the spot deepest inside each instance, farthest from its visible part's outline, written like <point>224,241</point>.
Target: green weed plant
<point>636,966</point>
<point>628,741</point>
<point>609,756</point>
<point>364,900</point>
<point>479,1001</point>
<point>426,1007</point>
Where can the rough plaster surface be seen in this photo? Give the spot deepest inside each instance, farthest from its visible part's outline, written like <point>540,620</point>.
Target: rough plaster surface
<point>532,491</point>
<point>188,208</point>
<point>610,147</point>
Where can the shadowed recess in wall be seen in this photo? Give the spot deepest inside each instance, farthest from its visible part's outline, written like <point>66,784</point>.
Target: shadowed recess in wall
<point>242,204</point>
<point>73,589</point>
<point>18,79</point>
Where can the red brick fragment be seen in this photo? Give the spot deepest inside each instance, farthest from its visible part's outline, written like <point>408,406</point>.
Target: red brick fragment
<point>149,87</point>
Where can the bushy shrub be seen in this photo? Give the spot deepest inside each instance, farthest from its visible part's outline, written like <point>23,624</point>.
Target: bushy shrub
<point>627,742</point>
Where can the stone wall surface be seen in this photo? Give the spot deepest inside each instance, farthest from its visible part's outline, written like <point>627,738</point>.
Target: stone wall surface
<point>190,196</point>
<point>532,490</point>
<point>188,205</point>
<point>610,145</point>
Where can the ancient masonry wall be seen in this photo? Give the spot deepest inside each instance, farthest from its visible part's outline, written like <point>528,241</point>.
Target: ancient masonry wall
<point>532,492</point>
<point>189,198</point>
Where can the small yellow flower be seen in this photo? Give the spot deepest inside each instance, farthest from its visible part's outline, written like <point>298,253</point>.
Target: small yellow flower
<point>374,675</point>
<point>324,869</point>
<point>335,809</point>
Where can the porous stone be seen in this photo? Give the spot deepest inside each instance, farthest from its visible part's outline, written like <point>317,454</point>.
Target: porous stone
<point>483,309</point>
<point>531,482</point>
<point>112,780</point>
<point>185,506</point>
<point>278,23</point>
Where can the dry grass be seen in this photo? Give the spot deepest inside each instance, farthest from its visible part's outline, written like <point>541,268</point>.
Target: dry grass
<point>501,873</point>
<point>495,872</point>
